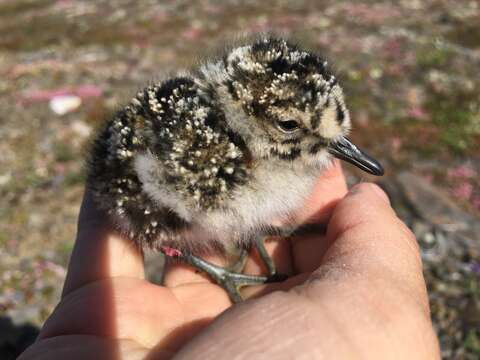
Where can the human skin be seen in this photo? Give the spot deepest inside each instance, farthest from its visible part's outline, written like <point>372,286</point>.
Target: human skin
<point>355,292</point>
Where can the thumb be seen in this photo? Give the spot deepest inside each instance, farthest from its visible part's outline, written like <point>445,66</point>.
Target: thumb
<point>367,237</point>
<point>371,277</point>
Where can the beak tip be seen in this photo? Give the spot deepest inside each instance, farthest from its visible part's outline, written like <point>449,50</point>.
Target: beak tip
<point>378,171</point>
<point>374,167</point>
<point>345,150</point>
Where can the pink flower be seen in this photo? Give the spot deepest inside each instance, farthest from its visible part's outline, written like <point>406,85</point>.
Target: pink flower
<point>192,33</point>
<point>463,191</point>
<point>83,91</point>
<point>417,113</point>
<point>396,143</point>
<point>369,14</point>
<point>462,172</point>
<point>393,47</point>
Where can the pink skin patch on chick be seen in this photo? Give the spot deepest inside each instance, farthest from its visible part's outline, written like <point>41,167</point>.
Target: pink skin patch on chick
<point>171,252</point>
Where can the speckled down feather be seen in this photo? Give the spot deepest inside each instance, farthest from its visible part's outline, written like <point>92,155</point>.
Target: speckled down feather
<point>219,155</point>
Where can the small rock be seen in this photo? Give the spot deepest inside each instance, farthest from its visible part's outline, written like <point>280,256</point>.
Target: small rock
<point>64,104</point>
<point>431,203</point>
<point>5,178</point>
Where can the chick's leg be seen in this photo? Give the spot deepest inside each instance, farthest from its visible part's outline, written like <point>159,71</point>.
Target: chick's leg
<point>241,255</point>
<point>228,280</point>
<point>266,258</point>
<point>259,243</point>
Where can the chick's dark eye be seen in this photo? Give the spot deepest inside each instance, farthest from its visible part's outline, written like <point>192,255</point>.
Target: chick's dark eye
<point>288,126</point>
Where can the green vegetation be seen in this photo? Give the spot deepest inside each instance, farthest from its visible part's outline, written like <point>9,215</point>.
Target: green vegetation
<point>73,178</point>
<point>63,152</point>
<point>472,342</point>
<point>457,117</point>
<point>432,56</point>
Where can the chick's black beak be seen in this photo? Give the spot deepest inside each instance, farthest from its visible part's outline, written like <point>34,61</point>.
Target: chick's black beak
<point>343,149</point>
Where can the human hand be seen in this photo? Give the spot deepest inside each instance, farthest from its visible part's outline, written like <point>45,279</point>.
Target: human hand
<point>356,292</point>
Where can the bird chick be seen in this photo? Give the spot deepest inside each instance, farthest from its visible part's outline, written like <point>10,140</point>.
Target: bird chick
<point>213,158</point>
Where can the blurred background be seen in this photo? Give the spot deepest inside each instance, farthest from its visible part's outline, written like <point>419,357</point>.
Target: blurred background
<point>410,68</point>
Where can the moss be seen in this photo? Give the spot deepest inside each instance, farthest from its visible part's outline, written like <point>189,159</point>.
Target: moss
<point>456,115</point>
<point>63,153</point>
<point>63,250</point>
<point>74,178</point>
<point>432,57</point>
<point>472,342</point>
<point>32,180</point>
<point>473,288</point>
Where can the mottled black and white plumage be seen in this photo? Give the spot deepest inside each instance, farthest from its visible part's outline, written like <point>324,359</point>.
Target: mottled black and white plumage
<point>217,156</point>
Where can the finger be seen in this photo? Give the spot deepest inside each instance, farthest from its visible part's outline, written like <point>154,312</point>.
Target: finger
<point>329,189</point>
<point>371,278</point>
<point>99,251</point>
<point>308,248</point>
<point>368,246</point>
<point>80,347</point>
<point>136,310</point>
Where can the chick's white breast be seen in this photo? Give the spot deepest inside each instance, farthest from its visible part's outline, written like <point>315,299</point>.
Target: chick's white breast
<point>272,196</point>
